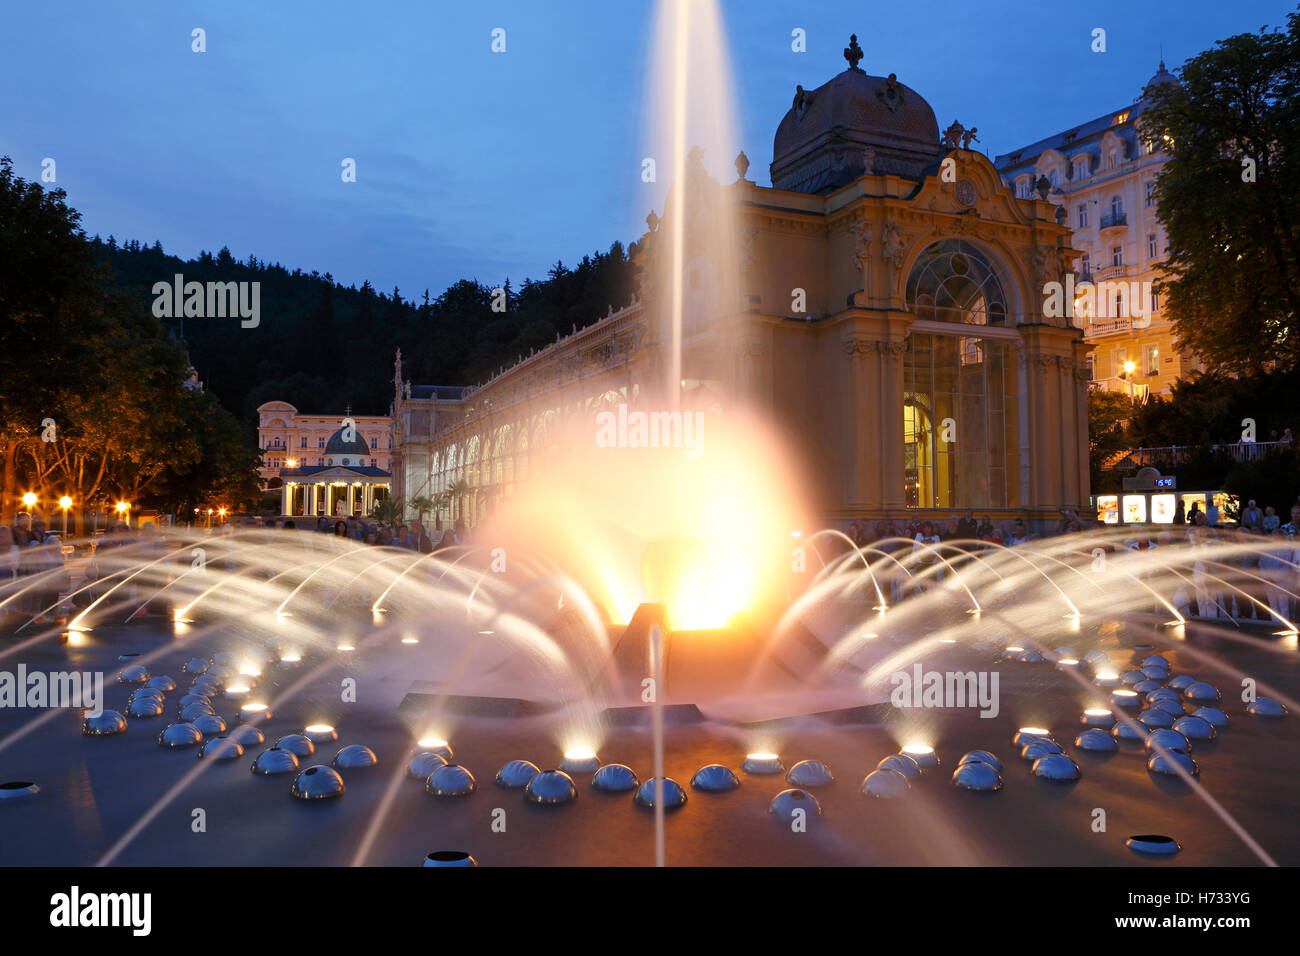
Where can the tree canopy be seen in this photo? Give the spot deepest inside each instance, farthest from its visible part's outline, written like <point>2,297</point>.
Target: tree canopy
<point>1230,201</point>
<point>92,401</point>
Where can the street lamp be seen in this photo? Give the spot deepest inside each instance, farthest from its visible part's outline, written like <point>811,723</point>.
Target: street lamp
<point>1129,367</point>
<point>29,500</point>
<point>122,509</point>
<point>65,503</point>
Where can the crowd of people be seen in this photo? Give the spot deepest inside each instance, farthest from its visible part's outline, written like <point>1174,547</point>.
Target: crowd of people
<point>924,531</point>
<point>411,535</point>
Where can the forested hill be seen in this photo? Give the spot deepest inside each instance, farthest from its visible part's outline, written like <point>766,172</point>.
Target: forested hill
<point>322,346</point>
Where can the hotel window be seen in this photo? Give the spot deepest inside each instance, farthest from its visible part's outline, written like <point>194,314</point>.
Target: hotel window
<point>1087,265</point>
<point>1089,362</point>
<point>374,463</point>
<point>1116,255</point>
<point>1116,207</point>
<point>374,442</point>
<point>320,442</point>
<point>1081,168</point>
<point>304,442</point>
<point>1153,360</point>
<point>1083,216</point>
<point>1155,301</point>
<point>1151,246</point>
<point>1121,356</point>
<point>1151,193</point>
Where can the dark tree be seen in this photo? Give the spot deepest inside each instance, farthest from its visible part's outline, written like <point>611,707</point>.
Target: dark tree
<point>1230,199</point>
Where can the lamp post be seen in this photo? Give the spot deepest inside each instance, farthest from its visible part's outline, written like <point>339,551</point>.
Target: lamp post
<point>65,503</point>
<point>29,500</point>
<point>123,512</point>
<point>1129,368</point>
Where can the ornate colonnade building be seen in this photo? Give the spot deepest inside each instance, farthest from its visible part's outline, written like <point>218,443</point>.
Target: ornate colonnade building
<point>881,304</point>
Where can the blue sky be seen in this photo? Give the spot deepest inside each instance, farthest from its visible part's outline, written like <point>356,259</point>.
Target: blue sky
<point>479,164</point>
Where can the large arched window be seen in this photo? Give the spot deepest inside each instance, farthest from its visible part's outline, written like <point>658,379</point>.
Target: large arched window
<point>960,390</point>
<point>953,281</point>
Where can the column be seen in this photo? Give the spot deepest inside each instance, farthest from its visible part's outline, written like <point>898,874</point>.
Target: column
<point>1055,397</point>
<point>286,497</point>
<point>871,357</point>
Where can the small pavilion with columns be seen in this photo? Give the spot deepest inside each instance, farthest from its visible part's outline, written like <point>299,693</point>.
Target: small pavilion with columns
<point>343,486</point>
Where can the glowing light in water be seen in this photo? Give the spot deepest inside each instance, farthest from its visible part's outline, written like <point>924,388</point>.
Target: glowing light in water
<point>923,754</point>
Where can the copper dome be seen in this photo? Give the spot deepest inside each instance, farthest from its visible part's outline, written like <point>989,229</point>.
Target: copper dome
<point>829,133</point>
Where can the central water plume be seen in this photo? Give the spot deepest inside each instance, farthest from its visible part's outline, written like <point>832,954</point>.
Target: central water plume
<point>708,535</point>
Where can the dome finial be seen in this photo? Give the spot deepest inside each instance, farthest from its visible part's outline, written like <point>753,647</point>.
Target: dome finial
<point>853,52</point>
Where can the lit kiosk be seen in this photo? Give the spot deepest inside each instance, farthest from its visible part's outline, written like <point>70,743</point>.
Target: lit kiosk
<point>1152,498</point>
<point>343,486</point>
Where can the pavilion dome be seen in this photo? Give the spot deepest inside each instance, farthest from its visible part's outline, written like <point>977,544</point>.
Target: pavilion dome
<point>338,445</point>
<point>1161,77</point>
<point>826,138</point>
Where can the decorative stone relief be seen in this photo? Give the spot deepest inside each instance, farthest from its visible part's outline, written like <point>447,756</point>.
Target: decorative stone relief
<point>861,233</point>
<point>893,244</point>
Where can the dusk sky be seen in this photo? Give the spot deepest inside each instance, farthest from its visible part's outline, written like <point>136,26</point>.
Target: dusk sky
<point>486,165</point>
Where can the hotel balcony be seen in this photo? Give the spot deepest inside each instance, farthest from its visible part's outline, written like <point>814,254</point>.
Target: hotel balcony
<point>1110,273</point>
<point>1097,329</point>
<point>1114,223</point>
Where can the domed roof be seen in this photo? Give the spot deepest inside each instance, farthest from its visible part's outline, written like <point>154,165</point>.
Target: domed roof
<point>1162,76</point>
<point>830,133</point>
<point>338,446</point>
